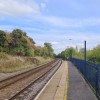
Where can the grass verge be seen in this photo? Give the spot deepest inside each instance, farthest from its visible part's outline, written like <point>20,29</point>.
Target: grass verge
<point>9,64</point>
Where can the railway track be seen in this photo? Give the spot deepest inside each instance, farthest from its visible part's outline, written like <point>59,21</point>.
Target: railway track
<point>12,79</point>
<point>26,81</point>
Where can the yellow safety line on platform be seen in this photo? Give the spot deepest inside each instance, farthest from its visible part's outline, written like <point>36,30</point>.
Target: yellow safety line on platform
<point>66,89</point>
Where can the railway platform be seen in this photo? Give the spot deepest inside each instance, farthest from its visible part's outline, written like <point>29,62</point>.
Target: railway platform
<point>56,88</point>
<point>66,84</point>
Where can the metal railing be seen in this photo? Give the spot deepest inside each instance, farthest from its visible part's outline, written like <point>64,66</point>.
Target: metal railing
<point>91,73</point>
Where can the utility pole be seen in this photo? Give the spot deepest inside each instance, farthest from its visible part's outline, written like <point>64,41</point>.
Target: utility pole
<point>71,50</point>
<point>85,50</point>
<point>85,57</point>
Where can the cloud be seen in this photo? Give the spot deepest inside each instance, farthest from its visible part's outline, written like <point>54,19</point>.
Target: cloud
<point>18,7</point>
<point>65,22</point>
<point>54,43</point>
<point>43,6</point>
<point>46,1</point>
<point>72,23</point>
<point>29,7</point>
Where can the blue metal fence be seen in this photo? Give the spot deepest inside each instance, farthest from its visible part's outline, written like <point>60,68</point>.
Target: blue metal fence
<point>91,73</point>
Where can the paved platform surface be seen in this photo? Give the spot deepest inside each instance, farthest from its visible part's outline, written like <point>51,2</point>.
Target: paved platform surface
<point>67,84</point>
<point>56,89</point>
<point>78,89</point>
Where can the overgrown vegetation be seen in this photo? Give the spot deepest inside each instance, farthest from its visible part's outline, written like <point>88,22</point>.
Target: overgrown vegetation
<point>16,63</point>
<point>92,55</point>
<point>18,43</point>
<point>45,51</point>
<point>18,51</point>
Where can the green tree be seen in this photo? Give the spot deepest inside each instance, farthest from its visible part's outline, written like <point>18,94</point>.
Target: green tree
<point>38,51</point>
<point>17,33</point>
<point>94,55</point>
<point>21,43</point>
<point>2,38</point>
<point>49,48</point>
<point>31,40</point>
<point>44,52</point>
<point>67,54</point>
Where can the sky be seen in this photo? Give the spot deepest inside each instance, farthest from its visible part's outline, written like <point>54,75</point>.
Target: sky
<point>63,23</point>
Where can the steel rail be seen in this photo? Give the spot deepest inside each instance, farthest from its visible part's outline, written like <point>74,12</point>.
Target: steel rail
<point>16,96</point>
<point>10,80</point>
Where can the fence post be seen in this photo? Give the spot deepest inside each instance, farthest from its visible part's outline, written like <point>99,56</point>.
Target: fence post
<point>97,72</point>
